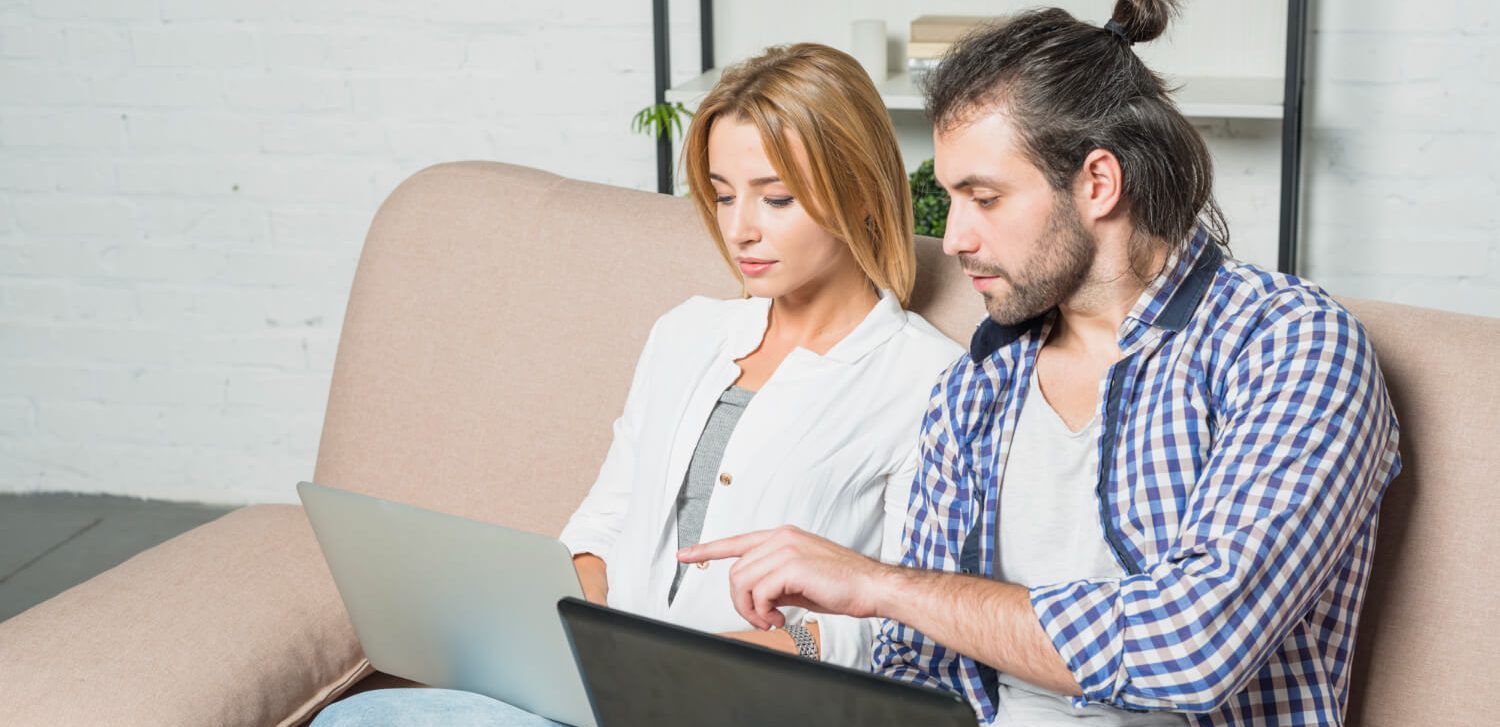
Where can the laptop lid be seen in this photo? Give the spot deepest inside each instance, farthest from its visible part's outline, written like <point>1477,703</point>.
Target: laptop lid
<point>452,602</point>
<point>642,673</point>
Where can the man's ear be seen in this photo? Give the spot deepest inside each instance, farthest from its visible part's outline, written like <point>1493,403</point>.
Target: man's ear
<point>1101,184</point>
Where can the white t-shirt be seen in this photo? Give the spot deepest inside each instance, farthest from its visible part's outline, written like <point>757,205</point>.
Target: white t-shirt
<point>1050,533</point>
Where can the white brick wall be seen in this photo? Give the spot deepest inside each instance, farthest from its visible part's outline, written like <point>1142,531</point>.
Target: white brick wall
<point>1403,148</point>
<point>185,184</point>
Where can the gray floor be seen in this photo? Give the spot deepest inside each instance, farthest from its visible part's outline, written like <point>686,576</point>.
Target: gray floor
<point>52,542</point>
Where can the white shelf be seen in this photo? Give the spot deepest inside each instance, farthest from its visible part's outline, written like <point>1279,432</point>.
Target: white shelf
<point>1245,97</point>
<point>1198,97</point>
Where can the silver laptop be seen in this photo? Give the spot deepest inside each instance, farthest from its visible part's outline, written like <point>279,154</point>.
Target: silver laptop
<point>452,602</point>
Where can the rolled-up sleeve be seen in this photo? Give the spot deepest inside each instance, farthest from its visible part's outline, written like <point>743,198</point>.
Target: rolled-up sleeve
<point>1306,446</point>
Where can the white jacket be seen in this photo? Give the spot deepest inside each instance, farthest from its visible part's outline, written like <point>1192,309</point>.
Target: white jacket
<point>828,444</point>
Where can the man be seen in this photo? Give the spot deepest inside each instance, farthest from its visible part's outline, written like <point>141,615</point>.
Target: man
<point>1148,495</point>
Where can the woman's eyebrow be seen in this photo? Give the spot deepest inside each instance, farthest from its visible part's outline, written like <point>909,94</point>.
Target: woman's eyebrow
<point>757,182</point>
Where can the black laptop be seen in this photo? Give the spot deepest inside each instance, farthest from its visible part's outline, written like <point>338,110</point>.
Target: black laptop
<point>640,672</point>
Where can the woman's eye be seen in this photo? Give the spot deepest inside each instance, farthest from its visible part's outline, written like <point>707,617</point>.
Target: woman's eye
<point>724,199</point>
<point>779,201</point>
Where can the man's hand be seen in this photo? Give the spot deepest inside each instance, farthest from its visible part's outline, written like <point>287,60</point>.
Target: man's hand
<point>990,621</point>
<point>790,567</point>
<point>591,575</point>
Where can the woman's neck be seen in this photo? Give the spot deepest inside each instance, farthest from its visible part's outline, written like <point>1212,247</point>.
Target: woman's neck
<point>820,314</point>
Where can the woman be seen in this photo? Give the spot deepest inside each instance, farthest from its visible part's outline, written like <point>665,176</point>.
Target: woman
<point>799,403</point>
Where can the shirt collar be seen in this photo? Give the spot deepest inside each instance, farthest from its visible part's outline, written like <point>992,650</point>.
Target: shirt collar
<point>883,321</point>
<point>1171,299</point>
<point>1167,303</point>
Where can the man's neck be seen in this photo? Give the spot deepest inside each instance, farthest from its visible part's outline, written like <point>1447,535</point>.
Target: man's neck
<point>1089,320</point>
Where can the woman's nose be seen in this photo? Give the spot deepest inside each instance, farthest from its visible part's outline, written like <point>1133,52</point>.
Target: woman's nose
<point>742,223</point>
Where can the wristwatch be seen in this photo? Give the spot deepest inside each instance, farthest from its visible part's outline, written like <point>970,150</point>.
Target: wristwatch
<point>806,645</point>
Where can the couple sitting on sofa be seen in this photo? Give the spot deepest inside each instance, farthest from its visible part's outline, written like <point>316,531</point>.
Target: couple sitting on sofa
<point>1145,494</point>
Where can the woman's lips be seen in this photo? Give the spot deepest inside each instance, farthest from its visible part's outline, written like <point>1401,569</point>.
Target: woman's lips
<point>754,268</point>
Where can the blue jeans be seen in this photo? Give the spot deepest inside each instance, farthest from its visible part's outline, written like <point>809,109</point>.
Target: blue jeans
<point>425,708</point>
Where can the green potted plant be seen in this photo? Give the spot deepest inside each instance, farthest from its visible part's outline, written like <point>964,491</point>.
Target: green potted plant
<point>661,121</point>
<point>929,202</point>
<point>658,120</point>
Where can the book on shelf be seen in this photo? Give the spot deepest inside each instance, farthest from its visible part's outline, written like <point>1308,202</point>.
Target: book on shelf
<point>945,28</point>
<point>927,49</point>
<point>932,36</point>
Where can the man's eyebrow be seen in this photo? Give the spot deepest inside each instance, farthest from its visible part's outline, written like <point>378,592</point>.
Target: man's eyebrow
<point>975,180</point>
<point>757,182</point>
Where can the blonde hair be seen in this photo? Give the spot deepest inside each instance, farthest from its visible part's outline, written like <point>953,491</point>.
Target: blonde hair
<point>854,167</point>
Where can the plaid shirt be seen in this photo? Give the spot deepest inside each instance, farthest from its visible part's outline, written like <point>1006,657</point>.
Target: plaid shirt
<point>1247,441</point>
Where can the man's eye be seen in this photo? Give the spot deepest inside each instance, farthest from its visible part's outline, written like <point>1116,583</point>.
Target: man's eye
<point>779,201</point>
<point>985,202</point>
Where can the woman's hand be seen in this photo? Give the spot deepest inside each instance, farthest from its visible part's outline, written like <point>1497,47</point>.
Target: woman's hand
<point>775,639</point>
<point>591,575</point>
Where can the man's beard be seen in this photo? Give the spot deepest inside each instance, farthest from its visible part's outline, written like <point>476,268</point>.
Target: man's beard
<point>1065,254</point>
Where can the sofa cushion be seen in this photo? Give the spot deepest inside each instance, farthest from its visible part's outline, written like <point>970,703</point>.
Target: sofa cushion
<point>236,622</point>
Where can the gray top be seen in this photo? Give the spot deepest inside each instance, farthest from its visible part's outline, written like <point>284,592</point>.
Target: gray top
<point>703,471</point>
<point>1049,532</point>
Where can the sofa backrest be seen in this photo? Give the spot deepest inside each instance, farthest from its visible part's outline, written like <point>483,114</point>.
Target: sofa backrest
<point>1430,630</point>
<point>497,313</point>
<point>493,326</point>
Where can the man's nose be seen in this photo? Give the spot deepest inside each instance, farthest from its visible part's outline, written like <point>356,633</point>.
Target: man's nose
<point>958,235</point>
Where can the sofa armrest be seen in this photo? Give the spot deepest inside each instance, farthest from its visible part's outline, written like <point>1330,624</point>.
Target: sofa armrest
<point>236,622</point>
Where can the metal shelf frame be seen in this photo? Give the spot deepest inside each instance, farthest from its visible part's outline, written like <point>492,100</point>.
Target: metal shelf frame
<point>1293,86</point>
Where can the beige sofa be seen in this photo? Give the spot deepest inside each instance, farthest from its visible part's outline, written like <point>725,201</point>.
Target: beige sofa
<point>491,331</point>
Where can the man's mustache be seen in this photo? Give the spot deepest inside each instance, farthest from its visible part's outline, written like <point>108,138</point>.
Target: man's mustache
<point>976,267</point>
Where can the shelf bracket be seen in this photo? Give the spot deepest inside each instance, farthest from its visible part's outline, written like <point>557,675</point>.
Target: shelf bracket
<point>1291,135</point>
<point>662,40</point>
<point>663,79</point>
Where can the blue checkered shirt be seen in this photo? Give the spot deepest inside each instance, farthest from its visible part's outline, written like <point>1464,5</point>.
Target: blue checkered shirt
<point>1247,440</point>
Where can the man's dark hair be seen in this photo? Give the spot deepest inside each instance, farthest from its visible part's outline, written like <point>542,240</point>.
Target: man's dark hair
<point>1070,88</point>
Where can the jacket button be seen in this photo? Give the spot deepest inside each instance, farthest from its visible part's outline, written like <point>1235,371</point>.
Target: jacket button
<point>725,479</point>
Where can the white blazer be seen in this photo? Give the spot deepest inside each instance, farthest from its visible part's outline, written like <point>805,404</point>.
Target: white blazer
<point>828,444</point>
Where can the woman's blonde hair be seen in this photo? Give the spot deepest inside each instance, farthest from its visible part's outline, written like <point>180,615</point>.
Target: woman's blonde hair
<point>854,186</point>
